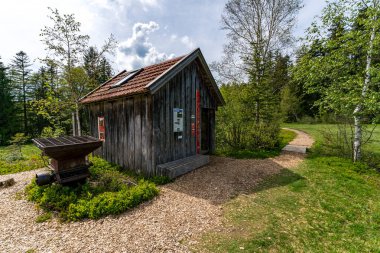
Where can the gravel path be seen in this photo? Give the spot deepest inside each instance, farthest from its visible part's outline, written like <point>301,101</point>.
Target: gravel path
<point>302,139</point>
<point>300,144</point>
<point>184,210</point>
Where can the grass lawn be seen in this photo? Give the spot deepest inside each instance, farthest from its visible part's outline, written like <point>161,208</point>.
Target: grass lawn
<point>327,204</point>
<point>284,138</point>
<point>12,162</point>
<point>317,129</point>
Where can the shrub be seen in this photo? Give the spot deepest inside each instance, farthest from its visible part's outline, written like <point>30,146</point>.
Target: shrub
<point>49,132</point>
<point>112,202</point>
<point>264,136</point>
<point>160,180</point>
<point>108,191</point>
<point>237,127</point>
<point>17,141</point>
<point>100,167</point>
<point>249,136</point>
<point>10,165</point>
<point>338,141</point>
<point>255,150</point>
<point>44,217</point>
<point>14,156</point>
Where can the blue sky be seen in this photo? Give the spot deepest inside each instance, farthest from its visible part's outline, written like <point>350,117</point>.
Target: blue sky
<point>148,30</point>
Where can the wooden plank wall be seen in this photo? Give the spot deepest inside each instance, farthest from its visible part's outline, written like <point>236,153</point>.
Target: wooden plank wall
<point>128,123</point>
<point>139,129</point>
<point>179,92</point>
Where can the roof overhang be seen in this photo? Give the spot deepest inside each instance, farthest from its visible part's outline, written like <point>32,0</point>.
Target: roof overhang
<point>159,81</point>
<point>97,88</point>
<point>168,74</point>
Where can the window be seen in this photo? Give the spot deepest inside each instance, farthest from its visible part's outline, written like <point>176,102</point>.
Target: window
<point>101,128</point>
<point>127,78</point>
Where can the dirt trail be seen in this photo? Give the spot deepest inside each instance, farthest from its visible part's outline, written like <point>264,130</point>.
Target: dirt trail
<point>299,144</point>
<point>184,210</point>
<point>302,139</point>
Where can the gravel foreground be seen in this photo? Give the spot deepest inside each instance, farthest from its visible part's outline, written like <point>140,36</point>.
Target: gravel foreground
<point>172,222</point>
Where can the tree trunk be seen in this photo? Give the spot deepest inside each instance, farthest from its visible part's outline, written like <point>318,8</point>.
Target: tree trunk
<point>357,154</point>
<point>79,130</point>
<point>24,101</point>
<point>73,123</point>
<point>257,116</point>
<point>25,116</point>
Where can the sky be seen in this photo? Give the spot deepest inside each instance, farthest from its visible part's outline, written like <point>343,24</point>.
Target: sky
<point>148,31</point>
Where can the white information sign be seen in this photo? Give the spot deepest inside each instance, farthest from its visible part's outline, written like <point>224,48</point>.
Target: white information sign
<point>177,120</point>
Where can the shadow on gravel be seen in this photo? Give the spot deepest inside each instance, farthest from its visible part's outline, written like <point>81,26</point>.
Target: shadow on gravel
<point>225,178</point>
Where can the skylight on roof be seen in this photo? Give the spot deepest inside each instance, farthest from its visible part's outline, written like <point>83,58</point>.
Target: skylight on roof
<point>127,78</point>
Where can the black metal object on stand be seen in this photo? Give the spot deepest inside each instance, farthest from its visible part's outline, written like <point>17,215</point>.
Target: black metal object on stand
<point>68,158</point>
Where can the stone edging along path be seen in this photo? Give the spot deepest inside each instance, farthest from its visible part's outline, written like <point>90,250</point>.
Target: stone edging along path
<point>172,222</point>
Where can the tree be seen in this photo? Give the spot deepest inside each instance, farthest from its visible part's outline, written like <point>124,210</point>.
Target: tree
<point>18,140</point>
<point>97,66</point>
<point>236,129</point>
<point>76,89</point>
<point>345,74</point>
<point>20,75</point>
<point>64,39</point>
<point>372,25</point>
<point>256,30</point>
<point>50,105</point>
<point>8,109</point>
<point>66,46</point>
<point>42,88</point>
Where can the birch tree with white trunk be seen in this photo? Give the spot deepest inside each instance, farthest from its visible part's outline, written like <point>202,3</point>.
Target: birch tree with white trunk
<point>256,31</point>
<point>342,64</point>
<point>373,10</point>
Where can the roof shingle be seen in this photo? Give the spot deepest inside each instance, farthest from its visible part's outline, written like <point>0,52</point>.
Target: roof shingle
<point>134,86</point>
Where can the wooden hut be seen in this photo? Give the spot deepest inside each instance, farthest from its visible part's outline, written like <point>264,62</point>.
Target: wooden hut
<point>157,120</point>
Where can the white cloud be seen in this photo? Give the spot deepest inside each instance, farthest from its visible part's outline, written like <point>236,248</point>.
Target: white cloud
<point>120,7</point>
<point>99,18</point>
<point>137,51</point>
<point>149,3</point>
<point>188,42</point>
<point>185,40</point>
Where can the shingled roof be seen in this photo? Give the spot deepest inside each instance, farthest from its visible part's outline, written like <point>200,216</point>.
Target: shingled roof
<point>147,79</point>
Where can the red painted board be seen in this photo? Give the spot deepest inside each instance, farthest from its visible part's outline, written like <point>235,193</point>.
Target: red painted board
<point>198,121</point>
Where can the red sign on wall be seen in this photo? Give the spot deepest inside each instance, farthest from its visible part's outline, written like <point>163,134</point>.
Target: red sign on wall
<point>101,128</point>
<point>198,121</point>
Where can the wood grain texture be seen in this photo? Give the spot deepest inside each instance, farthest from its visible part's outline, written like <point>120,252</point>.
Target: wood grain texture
<point>139,129</point>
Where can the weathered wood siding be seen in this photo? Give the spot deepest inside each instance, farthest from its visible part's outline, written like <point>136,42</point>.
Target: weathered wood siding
<point>128,137</point>
<point>179,92</point>
<point>139,130</point>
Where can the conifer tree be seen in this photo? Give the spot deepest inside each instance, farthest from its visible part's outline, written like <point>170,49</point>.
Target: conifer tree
<point>7,119</point>
<point>20,79</point>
